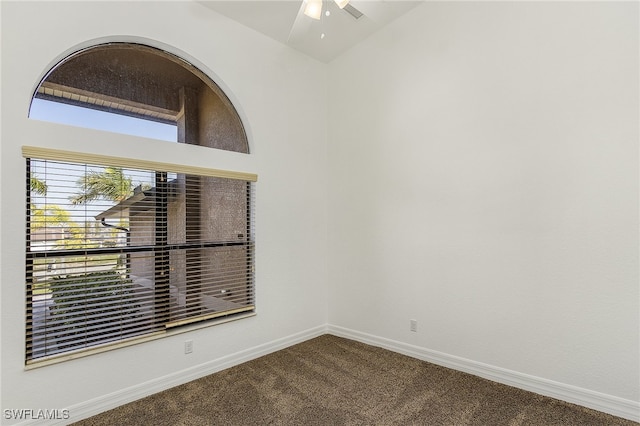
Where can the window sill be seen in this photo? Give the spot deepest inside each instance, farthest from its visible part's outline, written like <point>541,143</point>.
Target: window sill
<point>81,353</point>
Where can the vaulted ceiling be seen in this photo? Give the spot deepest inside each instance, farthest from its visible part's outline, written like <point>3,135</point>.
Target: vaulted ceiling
<point>285,22</point>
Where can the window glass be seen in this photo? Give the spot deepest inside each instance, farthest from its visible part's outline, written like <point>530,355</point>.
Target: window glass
<point>95,86</point>
<point>95,119</point>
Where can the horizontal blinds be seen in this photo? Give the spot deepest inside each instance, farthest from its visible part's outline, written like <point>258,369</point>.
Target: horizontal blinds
<point>116,252</point>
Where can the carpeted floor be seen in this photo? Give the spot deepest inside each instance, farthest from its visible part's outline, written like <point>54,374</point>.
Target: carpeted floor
<point>333,381</point>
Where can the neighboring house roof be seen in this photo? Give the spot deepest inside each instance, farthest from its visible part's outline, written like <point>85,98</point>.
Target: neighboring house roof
<point>137,199</point>
<point>141,200</point>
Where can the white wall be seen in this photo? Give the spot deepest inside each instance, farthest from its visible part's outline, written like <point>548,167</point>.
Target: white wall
<point>483,177</point>
<point>484,181</point>
<point>268,83</point>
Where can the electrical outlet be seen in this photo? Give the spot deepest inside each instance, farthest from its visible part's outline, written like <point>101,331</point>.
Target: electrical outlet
<point>413,325</point>
<point>188,346</point>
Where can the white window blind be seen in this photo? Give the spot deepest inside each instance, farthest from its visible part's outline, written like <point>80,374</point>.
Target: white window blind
<point>117,251</point>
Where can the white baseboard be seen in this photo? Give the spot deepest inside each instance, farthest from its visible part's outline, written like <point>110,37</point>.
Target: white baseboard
<point>598,401</point>
<point>606,403</point>
<point>107,402</point>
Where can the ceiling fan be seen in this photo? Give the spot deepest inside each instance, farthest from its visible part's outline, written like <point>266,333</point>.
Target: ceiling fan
<point>313,8</point>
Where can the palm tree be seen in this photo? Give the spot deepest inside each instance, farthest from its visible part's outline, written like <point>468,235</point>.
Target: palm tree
<point>52,216</point>
<point>42,217</point>
<point>110,184</point>
<point>38,186</point>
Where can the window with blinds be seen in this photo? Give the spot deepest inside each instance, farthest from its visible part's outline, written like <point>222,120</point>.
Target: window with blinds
<point>122,249</point>
<point>119,249</point>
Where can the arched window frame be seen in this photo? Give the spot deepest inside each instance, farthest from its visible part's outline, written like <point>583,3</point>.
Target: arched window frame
<point>107,76</point>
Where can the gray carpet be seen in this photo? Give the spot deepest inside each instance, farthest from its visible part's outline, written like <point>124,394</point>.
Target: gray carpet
<point>334,381</point>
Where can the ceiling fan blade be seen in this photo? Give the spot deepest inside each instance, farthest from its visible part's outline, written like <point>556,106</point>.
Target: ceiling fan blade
<point>353,11</point>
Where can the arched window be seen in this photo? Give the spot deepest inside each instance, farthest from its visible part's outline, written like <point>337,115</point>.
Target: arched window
<point>117,80</point>
<point>124,248</point>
